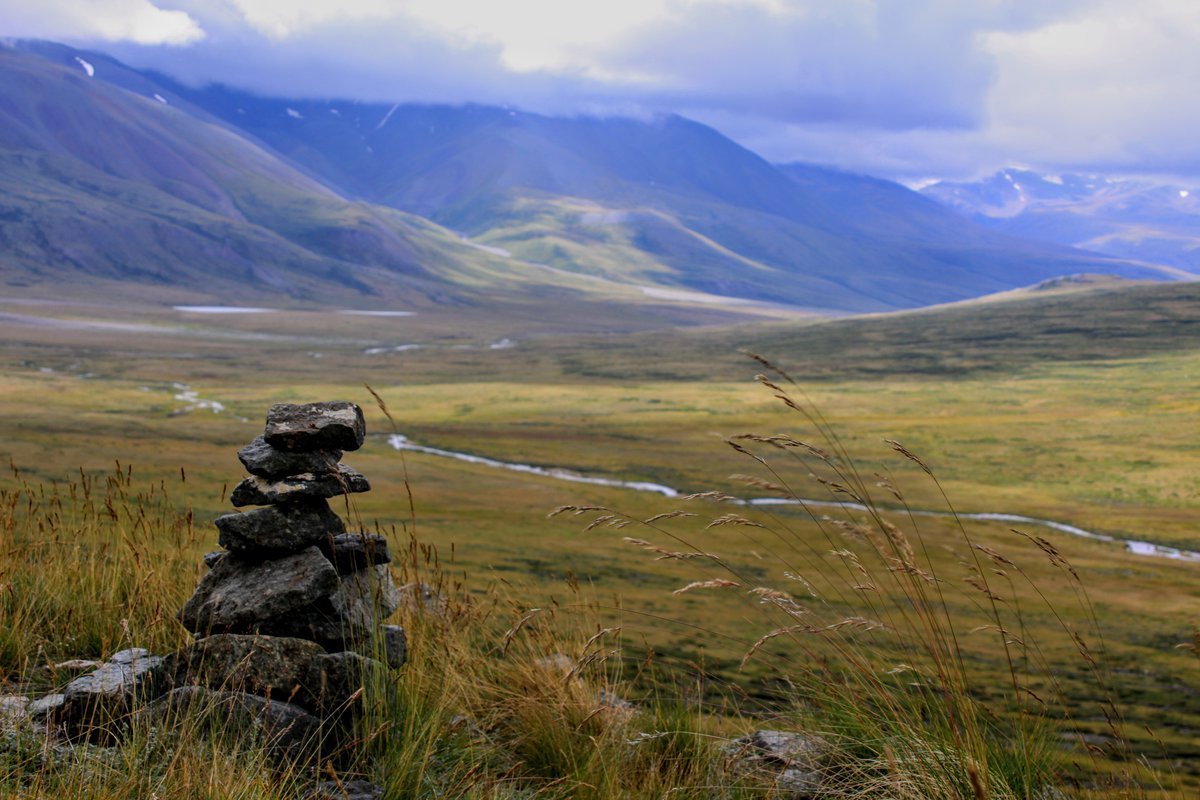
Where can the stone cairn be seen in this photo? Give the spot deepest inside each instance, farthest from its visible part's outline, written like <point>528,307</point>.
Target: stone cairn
<point>288,617</point>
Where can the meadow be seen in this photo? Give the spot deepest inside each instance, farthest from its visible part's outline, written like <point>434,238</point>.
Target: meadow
<point>1100,434</point>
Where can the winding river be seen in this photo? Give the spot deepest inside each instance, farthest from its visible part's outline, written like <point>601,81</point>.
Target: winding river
<point>1134,546</point>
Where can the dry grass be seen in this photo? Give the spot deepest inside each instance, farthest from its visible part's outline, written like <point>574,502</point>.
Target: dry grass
<point>893,643</point>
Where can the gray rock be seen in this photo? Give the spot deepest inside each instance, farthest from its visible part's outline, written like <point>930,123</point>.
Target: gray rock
<point>345,615</point>
<point>96,703</point>
<point>279,529</point>
<point>282,727</point>
<point>239,596</point>
<point>614,702</point>
<point>14,713</point>
<point>395,645</point>
<point>260,459</point>
<point>271,666</point>
<point>73,665</point>
<point>366,596</point>
<point>44,710</point>
<point>211,559</point>
<point>315,426</point>
<point>335,681</point>
<point>351,552</point>
<point>424,599</point>
<point>256,491</point>
<point>345,790</point>
<point>790,761</point>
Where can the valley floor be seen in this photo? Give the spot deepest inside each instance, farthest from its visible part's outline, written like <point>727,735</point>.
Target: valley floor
<point>1107,444</point>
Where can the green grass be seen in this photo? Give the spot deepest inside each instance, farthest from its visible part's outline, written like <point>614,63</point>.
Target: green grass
<point>1094,442</point>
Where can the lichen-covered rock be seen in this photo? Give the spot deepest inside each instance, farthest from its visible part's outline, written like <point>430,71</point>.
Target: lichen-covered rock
<point>366,596</point>
<point>279,529</point>
<point>335,681</point>
<point>96,704</point>
<point>394,643</point>
<point>271,666</point>
<point>345,615</point>
<point>789,761</point>
<point>283,728</point>
<point>14,713</point>
<point>338,425</point>
<point>43,712</point>
<point>345,790</point>
<point>351,552</point>
<point>238,596</point>
<point>263,460</point>
<point>256,491</point>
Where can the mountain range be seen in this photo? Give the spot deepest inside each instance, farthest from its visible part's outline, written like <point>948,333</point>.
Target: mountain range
<point>112,176</point>
<point>1137,219</point>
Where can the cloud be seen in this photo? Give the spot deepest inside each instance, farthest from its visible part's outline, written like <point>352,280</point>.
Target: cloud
<point>907,88</point>
<point>1111,89</point>
<point>137,21</point>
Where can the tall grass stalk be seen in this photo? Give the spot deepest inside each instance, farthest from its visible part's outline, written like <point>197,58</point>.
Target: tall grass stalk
<point>907,648</point>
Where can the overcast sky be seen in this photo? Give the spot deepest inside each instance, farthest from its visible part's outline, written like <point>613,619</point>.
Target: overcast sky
<point>909,89</point>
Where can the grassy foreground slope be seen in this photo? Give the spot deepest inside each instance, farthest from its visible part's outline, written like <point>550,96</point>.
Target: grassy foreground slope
<point>1033,428</point>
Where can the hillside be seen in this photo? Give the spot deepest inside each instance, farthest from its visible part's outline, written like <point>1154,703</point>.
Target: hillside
<point>667,202</point>
<point>1124,218</point>
<point>120,189</point>
<point>112,175</point>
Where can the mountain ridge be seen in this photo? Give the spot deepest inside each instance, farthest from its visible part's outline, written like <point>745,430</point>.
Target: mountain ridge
<point>287,195</point>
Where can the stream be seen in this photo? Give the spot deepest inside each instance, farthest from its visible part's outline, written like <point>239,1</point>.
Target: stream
<point>1134,546</point>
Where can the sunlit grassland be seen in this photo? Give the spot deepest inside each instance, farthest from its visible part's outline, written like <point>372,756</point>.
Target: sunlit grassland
<point>1108,445</point>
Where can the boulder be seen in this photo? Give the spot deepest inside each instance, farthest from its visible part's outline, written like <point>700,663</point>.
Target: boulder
<point>96,704</point>
<point>351,552</point>
<point>283,728</point>
<point>239,596</point>
<point>260,459</point>
<point>338,425</point>
<point>271,666</point>
<point>279,529</point>
<point>256,491</point>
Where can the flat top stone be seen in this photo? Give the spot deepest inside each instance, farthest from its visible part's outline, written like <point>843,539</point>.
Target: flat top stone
<point>315,426</point>
<point>260,459</point>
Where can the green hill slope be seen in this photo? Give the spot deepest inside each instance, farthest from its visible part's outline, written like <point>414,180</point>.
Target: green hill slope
<point>668,201</point>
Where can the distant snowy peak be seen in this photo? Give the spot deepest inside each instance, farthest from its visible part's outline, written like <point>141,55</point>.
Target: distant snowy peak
<point>1133,218</point>
<point>1013,191</point>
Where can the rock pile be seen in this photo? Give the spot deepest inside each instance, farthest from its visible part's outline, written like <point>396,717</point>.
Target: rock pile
<point>289,612</point>
<point>288,618</point>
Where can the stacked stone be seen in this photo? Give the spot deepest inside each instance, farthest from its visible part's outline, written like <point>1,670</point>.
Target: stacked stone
<point>288,615</point>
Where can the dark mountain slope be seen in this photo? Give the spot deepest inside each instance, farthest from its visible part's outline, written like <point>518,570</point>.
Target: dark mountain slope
<point>101,182</point>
